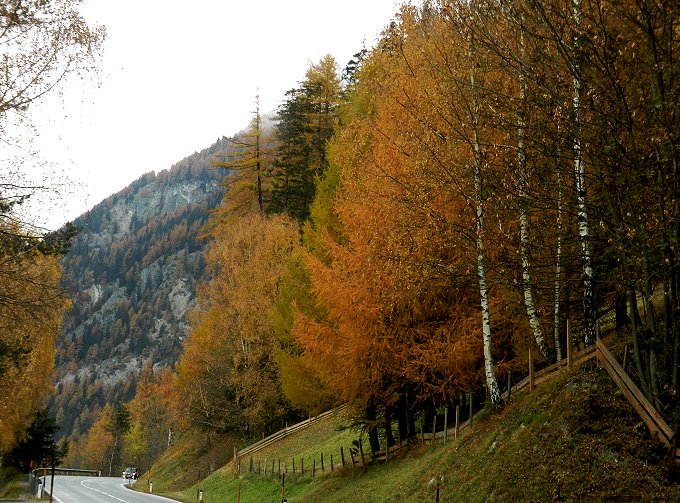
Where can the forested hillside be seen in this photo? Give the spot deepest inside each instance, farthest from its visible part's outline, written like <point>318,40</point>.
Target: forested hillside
<point>132,272</point>
<point>44,44</point>
<point>414,226</point>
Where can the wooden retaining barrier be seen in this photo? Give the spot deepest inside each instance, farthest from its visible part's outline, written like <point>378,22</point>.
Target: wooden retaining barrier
<point>288,430</point>
<point>655,423</point>
<point>649,415</point>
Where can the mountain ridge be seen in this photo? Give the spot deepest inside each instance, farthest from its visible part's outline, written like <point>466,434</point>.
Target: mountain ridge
<point>132,272</point>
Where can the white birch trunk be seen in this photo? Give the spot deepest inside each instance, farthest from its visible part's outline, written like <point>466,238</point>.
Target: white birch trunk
<point>491,382</point>
<point>558,272</point>
<point>579,173</point>
<point>527,282</point>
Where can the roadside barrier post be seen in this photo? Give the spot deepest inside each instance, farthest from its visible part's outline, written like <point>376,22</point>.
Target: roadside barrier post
<point>436,484</point>
<point>283,487</point>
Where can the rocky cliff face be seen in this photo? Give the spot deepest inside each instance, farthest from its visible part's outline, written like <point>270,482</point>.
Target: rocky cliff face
<point>132,272</point>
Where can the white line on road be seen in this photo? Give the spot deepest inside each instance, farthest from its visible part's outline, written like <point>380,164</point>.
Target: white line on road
<point>82,483</point>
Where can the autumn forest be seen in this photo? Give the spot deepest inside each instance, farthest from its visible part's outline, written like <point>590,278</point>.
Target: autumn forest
<point>413,224</point>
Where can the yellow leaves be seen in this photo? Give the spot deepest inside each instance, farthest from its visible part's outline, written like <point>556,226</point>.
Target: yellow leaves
<point>228,356</point>
<point>99,441</point>
<point>30,316</point>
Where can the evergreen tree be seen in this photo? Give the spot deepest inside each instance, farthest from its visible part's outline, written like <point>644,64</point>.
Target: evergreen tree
<point>306,121</point>
<point>39,447</point>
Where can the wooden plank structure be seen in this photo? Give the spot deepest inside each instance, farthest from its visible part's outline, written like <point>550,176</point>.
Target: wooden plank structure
<point>288,430</point>
<point>655,423</point>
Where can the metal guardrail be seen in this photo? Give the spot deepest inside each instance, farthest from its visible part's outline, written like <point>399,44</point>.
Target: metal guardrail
<point>39,472</point>
<point>35,474</point>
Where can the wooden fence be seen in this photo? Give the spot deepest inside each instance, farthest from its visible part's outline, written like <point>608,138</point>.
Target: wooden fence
<point>288,430</point>
<point>352,457</point>
<point>356,457</point>
<point>656,424</point>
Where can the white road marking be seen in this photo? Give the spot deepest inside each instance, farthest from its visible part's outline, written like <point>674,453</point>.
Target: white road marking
<point>82,483</point>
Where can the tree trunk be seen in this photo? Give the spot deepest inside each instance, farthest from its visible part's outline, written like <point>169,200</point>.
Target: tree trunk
<point>371,420</point>
<point>403,418</point>
<point>638,348</point>
<point>389,436</point>
<point>558,273</point>
<point>580,179</point>
<point>527,282</point>
<point>113,451</point>
<point>491,382</point>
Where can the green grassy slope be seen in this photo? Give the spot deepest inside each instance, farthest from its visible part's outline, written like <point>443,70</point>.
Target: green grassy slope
<point>573,439</point>
<point>14,486</point>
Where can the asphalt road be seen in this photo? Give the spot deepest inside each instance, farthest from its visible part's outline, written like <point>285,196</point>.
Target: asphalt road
<point>98,490</point>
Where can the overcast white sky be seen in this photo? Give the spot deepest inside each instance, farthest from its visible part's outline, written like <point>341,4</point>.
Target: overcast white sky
<point>177,75</point>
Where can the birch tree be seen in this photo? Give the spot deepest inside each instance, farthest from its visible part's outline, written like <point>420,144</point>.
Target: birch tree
<point>491,382</point>
<point>584,232</point>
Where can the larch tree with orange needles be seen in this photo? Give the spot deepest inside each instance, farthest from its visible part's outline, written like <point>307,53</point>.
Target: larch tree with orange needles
<point>228,369</point>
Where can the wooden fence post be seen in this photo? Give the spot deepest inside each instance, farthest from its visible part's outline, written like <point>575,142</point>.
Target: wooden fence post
<point>509,383</point>
<point>283,487</point>
<point>531,371</point>
<point>342,455</point>
<point>446,424</point>
<point>455,434</point>
<point>322,468</point>
<point>569,349</point>
<point>331,461</point>
<point>470,396</point>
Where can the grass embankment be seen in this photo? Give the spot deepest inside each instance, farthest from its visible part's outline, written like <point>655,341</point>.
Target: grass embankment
<point>14,486</point>
<point>575,438</point>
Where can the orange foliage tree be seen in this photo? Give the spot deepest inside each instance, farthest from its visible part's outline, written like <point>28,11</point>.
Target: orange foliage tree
<point>30,316</point>
<point>403,327</point>
<point>228,374</point>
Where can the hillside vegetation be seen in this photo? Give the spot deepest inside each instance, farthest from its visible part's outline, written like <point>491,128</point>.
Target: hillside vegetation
<point>575,438</point>
<point>491,183</point>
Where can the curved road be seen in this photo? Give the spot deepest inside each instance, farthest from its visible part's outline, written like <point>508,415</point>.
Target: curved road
<point>98,490</point>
